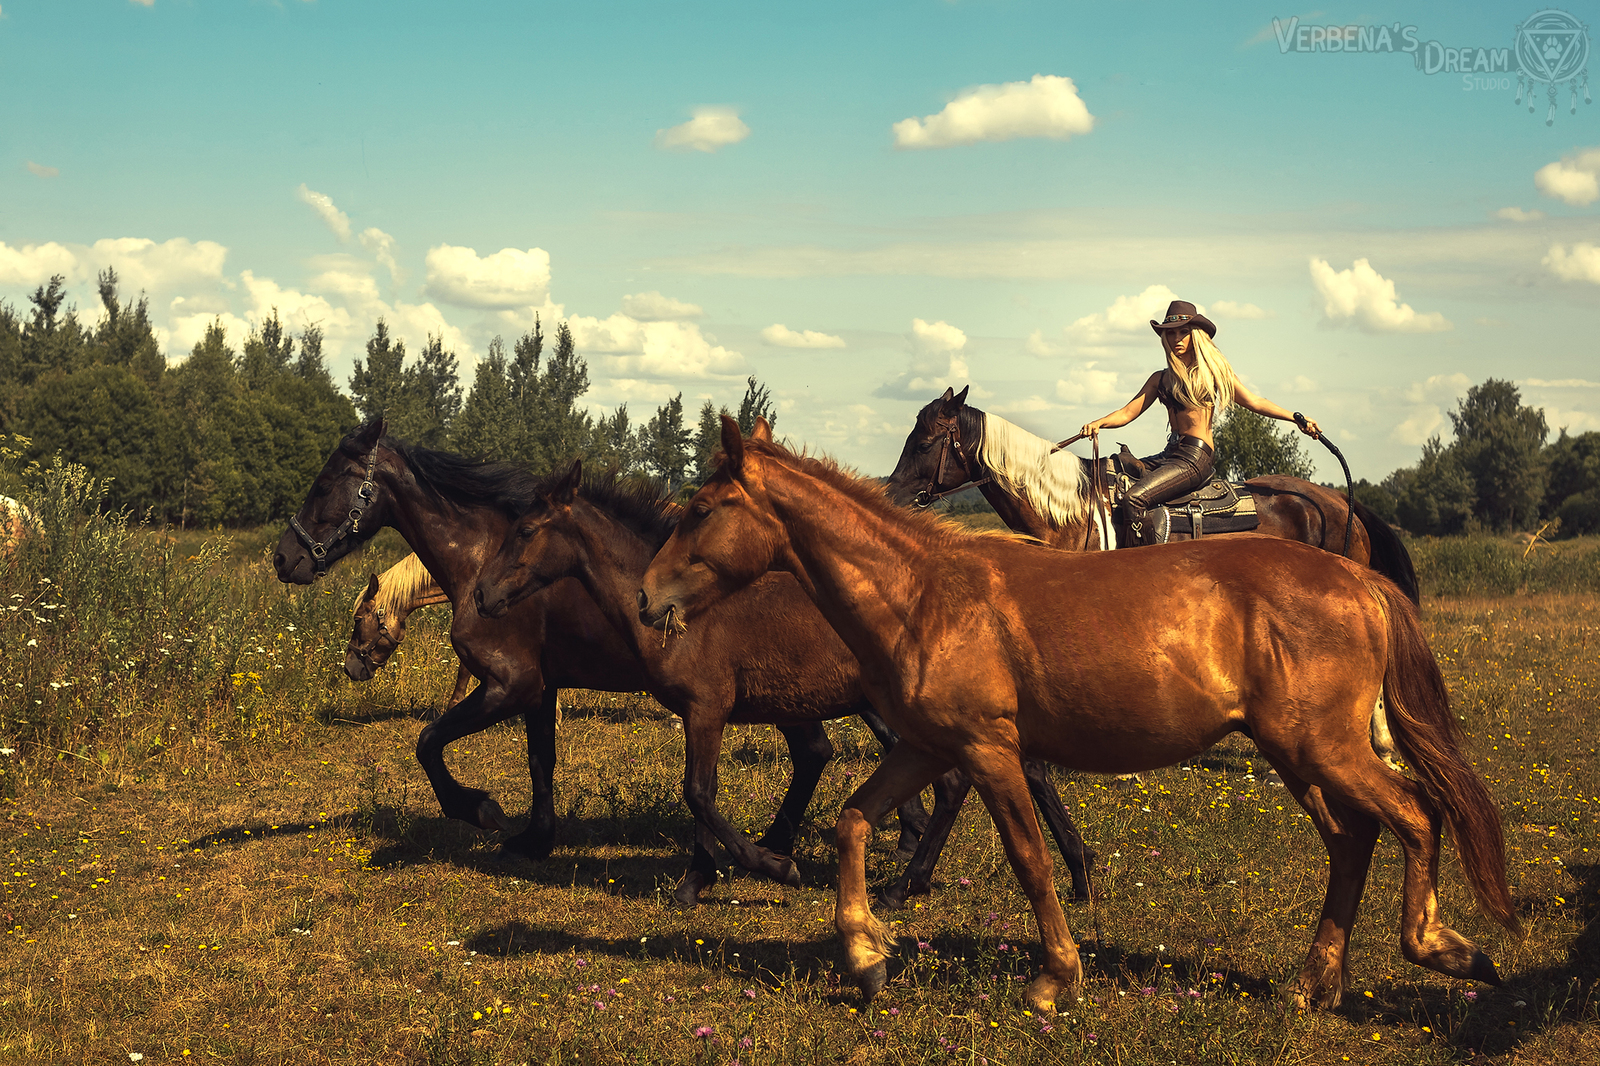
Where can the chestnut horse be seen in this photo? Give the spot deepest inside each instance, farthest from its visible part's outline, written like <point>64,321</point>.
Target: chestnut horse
<point>379,625</point>
<point>1049,494</point>
<point>984,650</point>
<point>454,513</point>
<point>733,666</point>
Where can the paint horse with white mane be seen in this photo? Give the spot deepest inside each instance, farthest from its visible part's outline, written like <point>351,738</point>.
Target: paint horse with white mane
<point>1050,494</point>
<point>380,621</point>
<point>17,525</point>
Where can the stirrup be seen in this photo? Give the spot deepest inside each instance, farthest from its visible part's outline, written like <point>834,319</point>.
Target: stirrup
<point>1158,525</point>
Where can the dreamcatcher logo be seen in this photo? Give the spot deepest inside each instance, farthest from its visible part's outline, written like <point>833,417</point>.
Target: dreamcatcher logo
<point>1552,49</point>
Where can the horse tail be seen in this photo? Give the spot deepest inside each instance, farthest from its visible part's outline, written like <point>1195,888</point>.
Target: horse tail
<point>1389,555</point>
<point>1429,737</point>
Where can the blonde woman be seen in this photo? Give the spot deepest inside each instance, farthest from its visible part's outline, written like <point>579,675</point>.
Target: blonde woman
<point>1196,387</point>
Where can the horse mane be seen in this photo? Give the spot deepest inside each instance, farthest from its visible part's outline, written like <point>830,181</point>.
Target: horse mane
<point>638,503</point>
<point>400,586</point>
<point>506,487</point>
<point>873,495</point>
<point>1056,485</point>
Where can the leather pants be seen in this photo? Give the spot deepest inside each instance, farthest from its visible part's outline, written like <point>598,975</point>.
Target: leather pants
<point>1183,466</point>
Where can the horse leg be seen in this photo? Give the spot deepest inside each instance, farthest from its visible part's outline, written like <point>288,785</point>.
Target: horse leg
<point>463,682</point>
<point>539,836</point>
<point>949,793</point>
<point>1349,837</point>
<point>489,704</point>
<point>904,772</point>
<point>703,743</point>
<point>996,771</point>
<point>1078,856</point>
<point>810,751</point>
<point>913,815</point>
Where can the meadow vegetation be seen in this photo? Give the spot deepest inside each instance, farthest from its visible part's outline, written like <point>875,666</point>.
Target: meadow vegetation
<point>218,848</point>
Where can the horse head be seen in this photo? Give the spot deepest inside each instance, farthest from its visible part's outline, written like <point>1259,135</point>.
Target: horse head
<point>933,460</point>
<point>342,510</point>
<point>375,634</point>
<point>728,536</point>
<point>541,547</point>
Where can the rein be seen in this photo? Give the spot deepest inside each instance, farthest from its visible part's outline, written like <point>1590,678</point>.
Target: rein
<point>1349,484</point>
<point>952,439</point>
<point>351,526</point>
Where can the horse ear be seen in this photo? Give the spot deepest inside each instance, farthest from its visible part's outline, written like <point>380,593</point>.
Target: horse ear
<point>949,394</point>
<point>369,593</point>
<point>762,430</point>
<point>961,397</point>
<point>732,446</point>
<point>567,489</point>
<point>372,432</point>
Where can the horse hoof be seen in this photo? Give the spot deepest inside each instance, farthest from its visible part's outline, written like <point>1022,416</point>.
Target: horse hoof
<point>790,875</point>
<point>893,898</point>
<point>872,980</point>
<point>1483,969</point>
<point>689,889</point>
<point>491,818</point>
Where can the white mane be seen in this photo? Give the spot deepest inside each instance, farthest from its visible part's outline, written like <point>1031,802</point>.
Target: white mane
<point>1055,485</point>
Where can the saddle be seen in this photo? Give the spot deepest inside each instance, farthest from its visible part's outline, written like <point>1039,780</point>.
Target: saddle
<point>1218,506</point>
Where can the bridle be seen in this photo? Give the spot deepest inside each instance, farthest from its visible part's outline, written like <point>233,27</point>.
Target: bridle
<point>949,442</point>
<point>350,527</point>
<point>365,653</point>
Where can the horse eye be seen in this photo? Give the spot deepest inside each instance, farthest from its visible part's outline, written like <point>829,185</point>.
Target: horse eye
<point>526,532</point>
<point>702,509</point>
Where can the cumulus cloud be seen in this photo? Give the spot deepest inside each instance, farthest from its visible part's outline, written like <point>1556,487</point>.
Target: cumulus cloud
<point>322,204</point>
<point>1365,299</point>
<point>1086,385</point>
<point>935,362</point>
<point>39,170</point>
<point>508,278</point>
<point>34,264</point>
<point>1422,423</point>
<point>1126,322</point>
<point>141,264</point>
<point>1230,309</point>
<point>1517,214</point>
<point>1580,264</point>
<point>1574,179</point>
<point>653,349</point>
<point>654,307</point>
<point>381,247</point>
<point>710,129</point>
<point>1047,106</point>
<point>781,336</point>
<point>1037,345</point>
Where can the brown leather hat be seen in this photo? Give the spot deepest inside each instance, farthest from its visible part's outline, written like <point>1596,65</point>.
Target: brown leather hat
<point>1182,315</point>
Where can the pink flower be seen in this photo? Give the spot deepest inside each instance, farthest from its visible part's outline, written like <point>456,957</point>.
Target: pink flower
<point>749,993</point>
<point>745,1041</point>
<point>705,1031</point>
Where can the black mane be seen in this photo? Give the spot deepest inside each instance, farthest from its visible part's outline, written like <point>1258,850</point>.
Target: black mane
<point>464,482</point>
<point>635,502</point>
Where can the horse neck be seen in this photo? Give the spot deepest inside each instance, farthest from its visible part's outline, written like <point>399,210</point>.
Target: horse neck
<point>859,565</point>
<point>1015,510</point>
<point>453,542</point>
<point>615,557</point>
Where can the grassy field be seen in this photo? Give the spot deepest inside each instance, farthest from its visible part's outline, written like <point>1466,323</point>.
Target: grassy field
<point>222,850</point>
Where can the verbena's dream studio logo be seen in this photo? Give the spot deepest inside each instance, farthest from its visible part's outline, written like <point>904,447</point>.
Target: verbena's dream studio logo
<point>1550,49</point>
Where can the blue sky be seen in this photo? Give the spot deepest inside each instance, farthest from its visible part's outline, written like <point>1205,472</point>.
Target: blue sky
<point>1188,155</point>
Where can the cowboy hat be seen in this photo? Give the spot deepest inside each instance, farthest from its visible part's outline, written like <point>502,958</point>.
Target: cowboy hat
<point>1182,315</point>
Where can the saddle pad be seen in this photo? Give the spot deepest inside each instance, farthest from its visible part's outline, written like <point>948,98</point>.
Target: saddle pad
<point>1223,509</point>
<point>1214,497</point>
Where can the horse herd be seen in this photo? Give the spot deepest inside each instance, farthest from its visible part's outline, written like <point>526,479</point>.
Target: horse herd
<point>791,592</point>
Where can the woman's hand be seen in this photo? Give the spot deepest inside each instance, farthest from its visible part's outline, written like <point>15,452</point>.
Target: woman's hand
<point>1091,429</point>
<point>1310,428</point>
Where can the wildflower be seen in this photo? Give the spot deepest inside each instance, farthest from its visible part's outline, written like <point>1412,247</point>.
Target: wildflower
<point>1147,990</point>
<point>704,1032</point>
<point>964,882</point>
<point>1472,997</point>
<point>1093,1037</point>
<point>894,1012</point>
<point>923,945</point>
<point>749,993</point>
<point>746,1042</point>
<point>879,1033</point>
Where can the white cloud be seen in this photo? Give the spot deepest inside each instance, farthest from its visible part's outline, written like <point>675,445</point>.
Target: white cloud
<point>381,246</point>
<point>508,278</point>
<point>35,264</point>
<point>653,349</point>
<point>1037,345</point>
<point>185,331</point>
<point>1047,106</point>
<point>1126,322</point>
<point>1230,309</point>
<point>1362,297</point>
<point>1301,384</point>
<point>934,366</point>
<point>1086,385</point>
<point>144,3</point>
<point>39,170</point>
<point>1574,179</point>
<point>654,307</point>
<point>1440,388</point>
<point>1422,423</point>
<point>710,129</point>
<point>1560,383</point>
<point>143,264</point>
<point>1517,214</point>
<point>1581,264</point>
<point>781,336</point>
<point>322,204</point>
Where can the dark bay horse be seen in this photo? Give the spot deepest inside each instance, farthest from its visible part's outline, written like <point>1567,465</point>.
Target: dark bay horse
<point>379,621</point>
<point>1049,495</point>
<point>982,650</point>
<point>764,655</point>
<point>454,513</point>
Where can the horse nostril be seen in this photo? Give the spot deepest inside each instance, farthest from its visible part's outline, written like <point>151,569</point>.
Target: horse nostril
<point>644,601</point>
<point>278,560</point>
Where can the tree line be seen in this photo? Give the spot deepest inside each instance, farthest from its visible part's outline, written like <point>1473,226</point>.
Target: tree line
<point>232,436</point>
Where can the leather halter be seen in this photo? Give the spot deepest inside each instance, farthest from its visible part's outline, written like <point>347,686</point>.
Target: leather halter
<point>384,636</point>
<point>951,441</point>
<point>351,526</point>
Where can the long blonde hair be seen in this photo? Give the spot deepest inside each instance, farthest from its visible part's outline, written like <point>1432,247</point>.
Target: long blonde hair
<point>1212,381</point>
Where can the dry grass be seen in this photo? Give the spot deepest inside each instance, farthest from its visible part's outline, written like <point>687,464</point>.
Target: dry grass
<point>293,896</point>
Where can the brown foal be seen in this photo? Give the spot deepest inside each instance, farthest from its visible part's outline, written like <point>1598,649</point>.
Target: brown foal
<point>983,650</point>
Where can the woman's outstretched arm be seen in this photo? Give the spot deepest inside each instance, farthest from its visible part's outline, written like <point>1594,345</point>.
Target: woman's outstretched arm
<point>1128,411</point>
<point>1262,406</point>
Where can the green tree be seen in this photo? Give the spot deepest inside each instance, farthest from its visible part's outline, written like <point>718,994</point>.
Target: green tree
<point>707,440</point>
<point>487,428</point>
<point>1572,491</point>
<point>1250,445</point>
<point>757,403</point>
<point>559,428</point>
<point>1498,445</point>
<point>664,444</point>
<point>433,395</point>
<point>1435,497</point>
<point>614,444</point>
<point>379,384</point>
